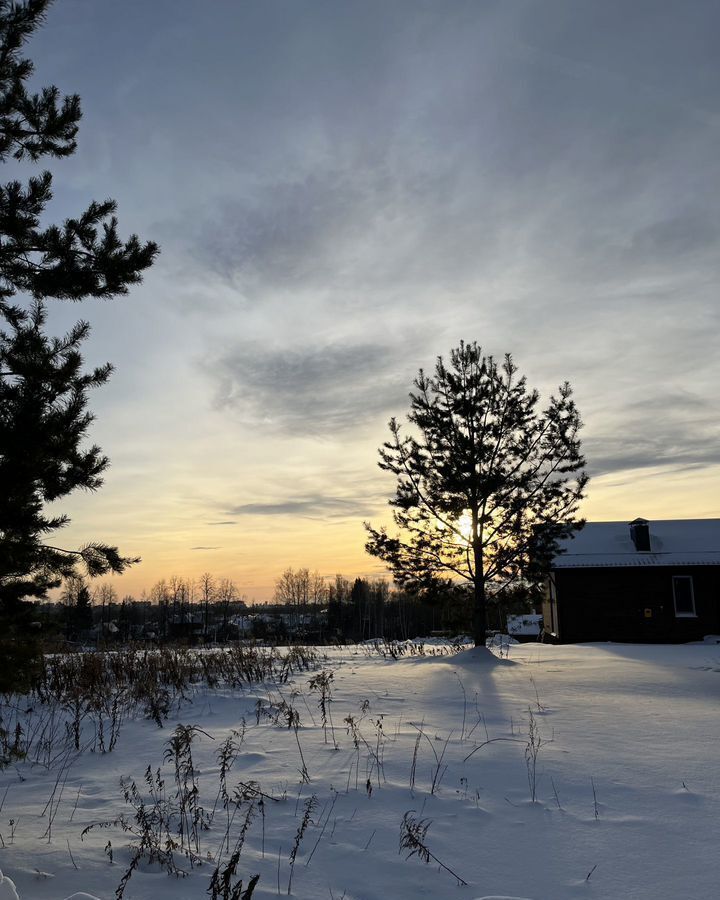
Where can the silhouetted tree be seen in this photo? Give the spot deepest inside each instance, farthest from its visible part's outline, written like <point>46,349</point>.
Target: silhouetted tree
<point>76,598</point>
<point>43,390</point>
<point>104,597</point>
<point>83,608</point>
<point>488,483</point>
<point>207,588</point>
<point>160,595</point>
<point>339,625</point>
<point>298,589</point>
<point>226,594</point>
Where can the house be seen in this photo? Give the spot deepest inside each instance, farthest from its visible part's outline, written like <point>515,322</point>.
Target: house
<point>642,581</point>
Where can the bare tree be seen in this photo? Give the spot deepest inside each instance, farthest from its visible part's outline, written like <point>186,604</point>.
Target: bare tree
<point>207,595</point>
<point>226,594</point>
<point>104,595</point>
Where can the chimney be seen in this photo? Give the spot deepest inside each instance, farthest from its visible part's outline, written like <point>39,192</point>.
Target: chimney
<point>640,534</point>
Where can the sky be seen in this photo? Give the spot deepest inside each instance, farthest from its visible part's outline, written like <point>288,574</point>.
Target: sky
<point>343,191</point>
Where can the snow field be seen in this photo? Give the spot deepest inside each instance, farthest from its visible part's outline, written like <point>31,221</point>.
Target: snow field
<point>627,788</point>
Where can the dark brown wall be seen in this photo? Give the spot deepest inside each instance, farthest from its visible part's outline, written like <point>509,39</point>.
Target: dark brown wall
<point>605,604</point>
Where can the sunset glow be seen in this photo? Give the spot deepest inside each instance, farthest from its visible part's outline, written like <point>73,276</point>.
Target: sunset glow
<point>342,192</point>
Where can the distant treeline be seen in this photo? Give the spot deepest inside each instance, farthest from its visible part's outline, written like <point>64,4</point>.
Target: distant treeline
<point>306,607</point>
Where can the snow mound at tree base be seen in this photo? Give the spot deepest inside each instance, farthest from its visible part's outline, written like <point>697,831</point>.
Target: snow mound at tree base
<point>7,888</point>
<point>9,892</point>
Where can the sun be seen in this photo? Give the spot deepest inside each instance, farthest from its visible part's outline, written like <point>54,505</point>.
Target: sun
<point>465,526</point>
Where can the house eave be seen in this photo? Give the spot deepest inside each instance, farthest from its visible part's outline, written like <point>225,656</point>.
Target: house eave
<point>638,560</point>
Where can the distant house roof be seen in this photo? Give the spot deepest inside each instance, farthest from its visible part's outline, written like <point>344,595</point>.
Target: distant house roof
<point>672,542</point>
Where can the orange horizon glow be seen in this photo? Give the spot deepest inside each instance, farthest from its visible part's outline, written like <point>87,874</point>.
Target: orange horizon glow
<point>260,549</point>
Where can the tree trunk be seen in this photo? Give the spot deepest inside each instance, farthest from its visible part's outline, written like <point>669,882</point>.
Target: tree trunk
<point>479,622</point>
<point>479,613</point>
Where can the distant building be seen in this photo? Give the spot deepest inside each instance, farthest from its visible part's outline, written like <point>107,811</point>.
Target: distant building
<point>640,582</point>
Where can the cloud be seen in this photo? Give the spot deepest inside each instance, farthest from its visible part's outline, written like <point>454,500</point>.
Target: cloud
<point>675,238</point>
<point>675,431</point>
<point>319,506</point>
<point>316,391</point>
<point>357,227</point>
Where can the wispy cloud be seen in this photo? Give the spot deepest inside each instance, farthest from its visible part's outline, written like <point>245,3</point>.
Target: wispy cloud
<point>675,431</point>
<point>319,506</point>
<point>319,390</point>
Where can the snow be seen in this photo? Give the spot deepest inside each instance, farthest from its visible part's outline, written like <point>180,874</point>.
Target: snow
<point>673,542</point>
<point>626,777</point>
<point>7,888</point>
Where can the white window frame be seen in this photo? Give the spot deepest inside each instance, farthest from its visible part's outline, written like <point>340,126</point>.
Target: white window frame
<point>684,615</point>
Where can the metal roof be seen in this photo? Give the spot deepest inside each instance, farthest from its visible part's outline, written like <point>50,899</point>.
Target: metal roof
<point>673,542</point>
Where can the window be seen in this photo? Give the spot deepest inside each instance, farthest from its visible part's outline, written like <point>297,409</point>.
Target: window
<point>683,595</point>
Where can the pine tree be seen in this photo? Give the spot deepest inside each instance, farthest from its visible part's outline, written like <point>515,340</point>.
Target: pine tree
<point>77,601</point>
<point>44,417</point>
<point>487,485</point>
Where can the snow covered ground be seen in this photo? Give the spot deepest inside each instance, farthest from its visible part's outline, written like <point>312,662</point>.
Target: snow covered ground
<point>624,741</point>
